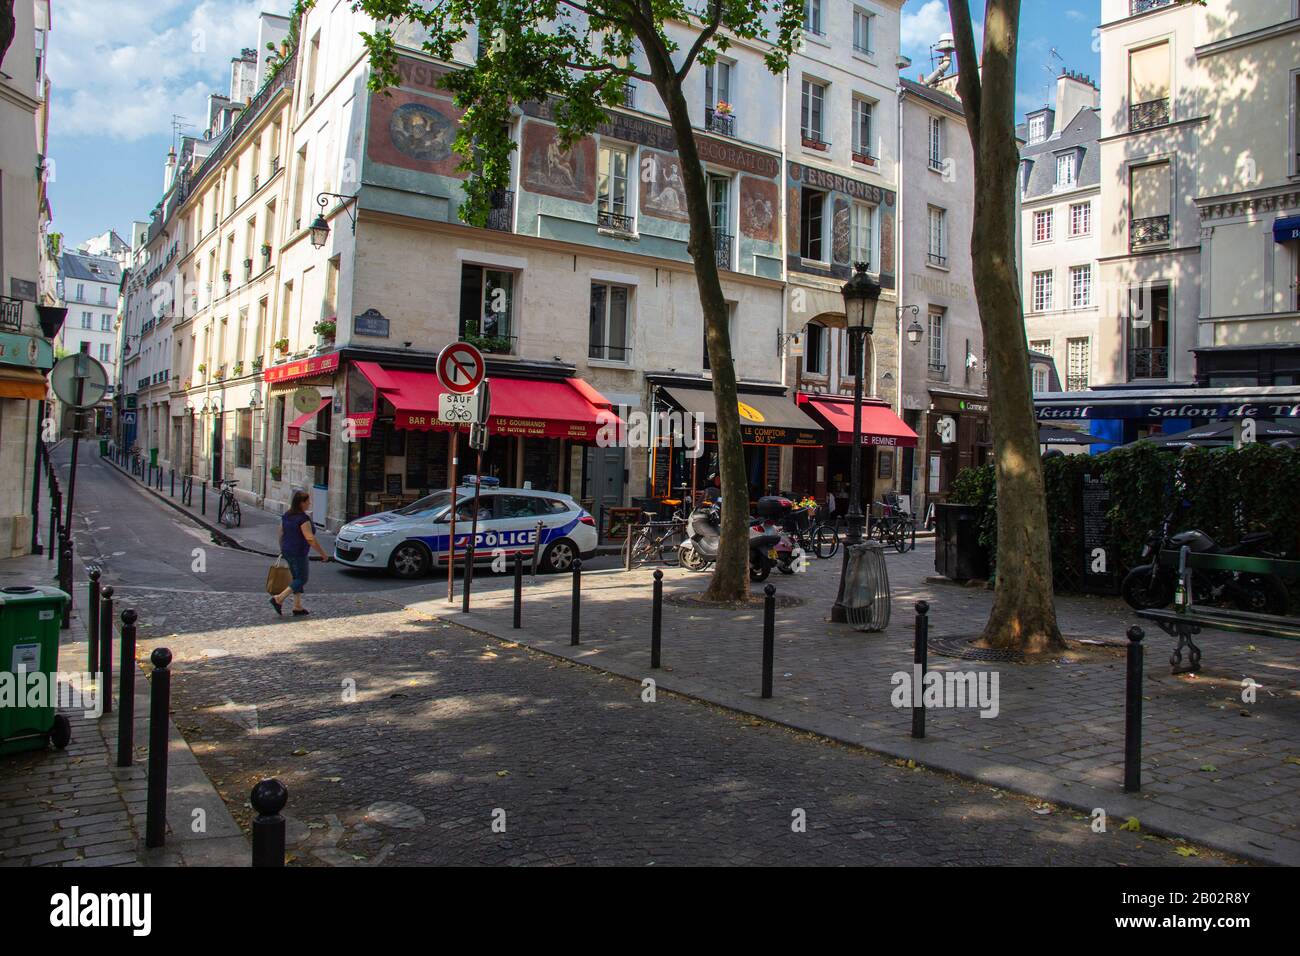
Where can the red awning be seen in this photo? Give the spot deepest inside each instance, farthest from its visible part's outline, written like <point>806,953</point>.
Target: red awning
<point>880,426</point>
<point>296,426</point>
<point>564,408</point>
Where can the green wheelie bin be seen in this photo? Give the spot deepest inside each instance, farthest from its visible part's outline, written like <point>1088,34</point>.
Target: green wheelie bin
<point>29,645</point>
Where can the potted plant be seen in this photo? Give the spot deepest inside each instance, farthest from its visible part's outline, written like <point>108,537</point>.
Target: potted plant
<point>220,373</point>
<point>257,363</point>
<point>282,346</point>
<point>248,263</point>
<point>238,369</point>
<point>203,368</point>
<point>266,250</point>
<point>325,328</point>
<point>722,107</point>
<point>275,472</point>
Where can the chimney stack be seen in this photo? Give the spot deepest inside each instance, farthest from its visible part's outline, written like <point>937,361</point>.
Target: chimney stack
<point>169,170</point>
<point>1074,92</point>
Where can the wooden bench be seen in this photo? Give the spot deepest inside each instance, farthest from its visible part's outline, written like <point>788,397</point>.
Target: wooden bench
<point>1187,619</point>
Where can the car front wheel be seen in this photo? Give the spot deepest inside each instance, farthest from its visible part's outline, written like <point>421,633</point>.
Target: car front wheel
<point>410,560</point>
<point>559,556</point>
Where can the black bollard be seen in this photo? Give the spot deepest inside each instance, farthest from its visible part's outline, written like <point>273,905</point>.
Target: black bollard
<point>92,622</point>
<point>1133,713</point>
<point>920,663</point>
<point>106,650</point>
<point>769,637</point>
<point>575,621</point>
<point>204,501</point>
<point>160,691</point>
<point>468,576</point>
<point>519,591</point>
<point>105,619</point>
<point>172,473</point>
<point>54,520</point>
<point>656,619</point>
<point>65,577</point>
<point>268,799</point>
<point>126,693</point>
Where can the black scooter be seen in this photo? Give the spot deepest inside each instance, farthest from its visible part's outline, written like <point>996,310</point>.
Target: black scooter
<point>1152,585</point>
<point>700,549</point>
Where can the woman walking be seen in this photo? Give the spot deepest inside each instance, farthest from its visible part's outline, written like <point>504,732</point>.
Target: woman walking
<point>296,541</point>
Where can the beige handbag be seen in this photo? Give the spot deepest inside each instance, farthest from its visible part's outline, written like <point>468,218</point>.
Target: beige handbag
<point>279,576</point>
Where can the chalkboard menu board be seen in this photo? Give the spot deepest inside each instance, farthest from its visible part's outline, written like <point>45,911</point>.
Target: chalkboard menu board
<point>417,459</point>
<point>773,468</point>
<point>1100,567</point>
<point>393,483</point>
<point>662,461</point>
<point>372,459</point>
<point>396,443</point>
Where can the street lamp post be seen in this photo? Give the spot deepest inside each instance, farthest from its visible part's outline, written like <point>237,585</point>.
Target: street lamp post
<point>861,296</point>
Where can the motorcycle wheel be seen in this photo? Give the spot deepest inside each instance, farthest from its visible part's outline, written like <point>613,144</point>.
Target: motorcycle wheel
<point>690,559</point>
<point>1262,594</point>
<point>1143,588</point>
<point>785,567</point>
<point>759,567</point>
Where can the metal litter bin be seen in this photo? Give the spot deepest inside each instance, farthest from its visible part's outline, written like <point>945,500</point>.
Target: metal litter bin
<point>29,644</point>
<point>866,587</point>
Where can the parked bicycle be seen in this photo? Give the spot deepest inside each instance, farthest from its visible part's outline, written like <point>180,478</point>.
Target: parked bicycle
<point>227,504</point>
<point>893,527</point>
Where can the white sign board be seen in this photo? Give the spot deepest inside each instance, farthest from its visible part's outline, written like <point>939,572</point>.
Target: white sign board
<point>458,408</point>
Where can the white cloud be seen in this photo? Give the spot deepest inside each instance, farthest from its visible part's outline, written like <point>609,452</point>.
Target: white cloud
<point>123,73</point>
<point>923,27</point>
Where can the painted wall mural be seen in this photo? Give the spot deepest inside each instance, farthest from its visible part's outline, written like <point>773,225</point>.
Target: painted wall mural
<point>663,192</point>
<point>760,209</point>
<point>414,131</point>
<point>550,170</point>
<point>840,194</point>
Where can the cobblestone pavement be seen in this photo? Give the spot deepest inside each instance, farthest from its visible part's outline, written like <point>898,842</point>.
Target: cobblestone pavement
<point>1215,769</point>
<point>402,739</point>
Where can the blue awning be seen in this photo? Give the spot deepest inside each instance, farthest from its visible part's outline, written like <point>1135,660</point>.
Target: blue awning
<point>1286,229</point>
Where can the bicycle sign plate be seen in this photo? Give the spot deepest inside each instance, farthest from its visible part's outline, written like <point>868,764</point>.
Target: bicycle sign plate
<point>456,409</point>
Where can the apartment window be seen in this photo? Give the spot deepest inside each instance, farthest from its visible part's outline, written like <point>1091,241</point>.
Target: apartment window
<point>81,292</point>
<point>244,438</point>
<point>1043,291</point>
<point>487,307</point>
<point>1065,170</point>
<point>938,347</point>
<point>103,295</point>
<point>313,60</point>
<point>1148,351</point>
<point>285,307</point>
<point>1040,377</point>
<point>1148,70</point>
<point>936,142</point>
<point>277,432</point>
<point>717,84</point>
<point>1043,225</point>
<point>1037,129</point>
<point>815,348</point>
<point>1295,123</point>
<point>1081,219</point>
<point>106,323</point>
<point>241,335</point>
<point>938,248</point>
<point>811,126</point>
<point>1080,287</point>
<point>720,214</point>
<point>1041,345</point>
<point>608,329</point>
<point>612,207</point>
<point>259,330</point>
<point>850,347</point>
<point>1149,202</point>
<point>811,224</point>
<point>812,16</point>
<point>862,114</point>
<point>864,31</point>
<point>862,233</point>
<point>85,320</point>
<point>1078,364</point>
<point>299,187</point>
<point>105,352</point>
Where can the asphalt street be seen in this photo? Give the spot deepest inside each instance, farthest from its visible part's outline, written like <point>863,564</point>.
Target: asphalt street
<point>406,739</point>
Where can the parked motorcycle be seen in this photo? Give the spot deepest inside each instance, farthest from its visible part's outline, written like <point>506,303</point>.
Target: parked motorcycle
<point>700,549</point>
<point>1152,585</point>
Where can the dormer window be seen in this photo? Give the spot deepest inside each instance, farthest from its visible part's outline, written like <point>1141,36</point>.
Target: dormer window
<point>1066,170</point>
<point>1037,129</point>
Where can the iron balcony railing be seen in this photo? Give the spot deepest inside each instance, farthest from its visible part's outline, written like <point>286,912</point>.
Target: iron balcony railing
<point>1149,115</point>
<point>501,214</point>
<point>935,259</point>
<point>11,313</point>
<point>606,219</point>
<point>609,353</point>
<point>722,249</point>
<point>1148,231</point>
<point>629,94</point>
<point>1148,363</point>
<point>723,123</point>
<point>1145,6</point>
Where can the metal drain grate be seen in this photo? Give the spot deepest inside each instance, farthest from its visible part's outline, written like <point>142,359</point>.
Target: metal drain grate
<point>961,647</point>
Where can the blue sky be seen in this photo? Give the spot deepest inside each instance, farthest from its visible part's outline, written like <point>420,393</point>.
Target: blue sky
<point>118,78</point>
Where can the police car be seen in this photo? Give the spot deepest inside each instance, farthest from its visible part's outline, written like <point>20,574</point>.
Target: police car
<point>412,540</point>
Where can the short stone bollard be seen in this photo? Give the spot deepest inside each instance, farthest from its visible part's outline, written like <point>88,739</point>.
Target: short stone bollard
<point>769,637</point>
<point>268,799</point>
<point>920,662</point>
<point>126,693</point>
<point>656,619</point>
<point>575,622</point>
<point>160,692</point>
<point>1133,712</point>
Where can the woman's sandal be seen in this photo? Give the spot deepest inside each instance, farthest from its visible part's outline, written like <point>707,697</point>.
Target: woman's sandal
<point>300,610</point>
<point>278,608</point>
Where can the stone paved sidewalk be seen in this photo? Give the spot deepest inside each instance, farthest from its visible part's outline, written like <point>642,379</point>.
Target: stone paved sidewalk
<point>77,808</point>
<point>1215,770</point>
